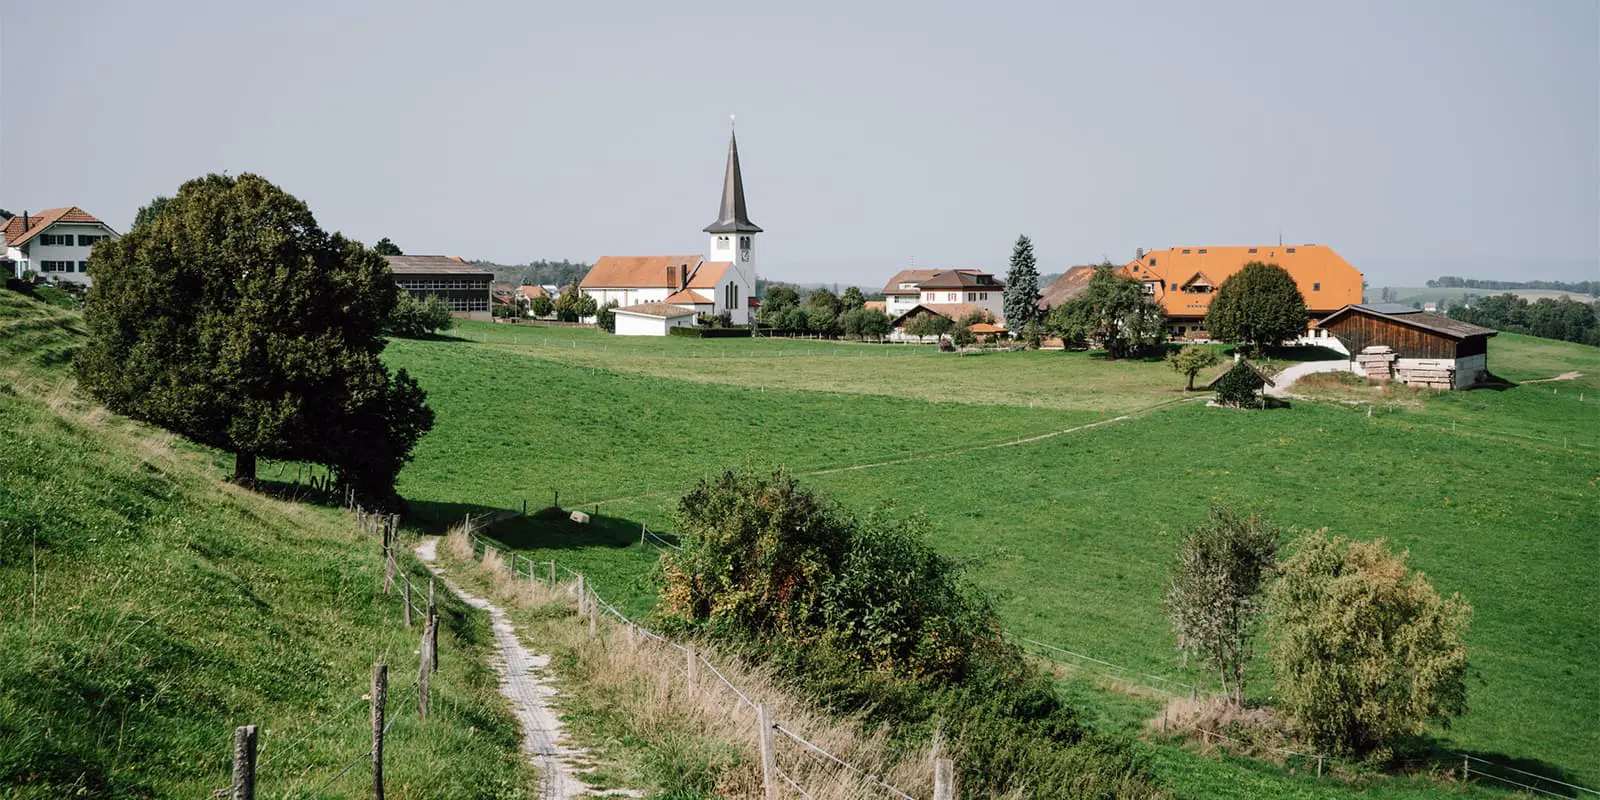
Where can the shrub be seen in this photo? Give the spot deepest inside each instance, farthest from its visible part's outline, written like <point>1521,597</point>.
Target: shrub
<point>413,318</point>
<point>543,306</point>
<point>1365,652</point>
<point>962,336</point>
<point>1238,387</point>
<point>1191,359</point>
<point>606,317</point>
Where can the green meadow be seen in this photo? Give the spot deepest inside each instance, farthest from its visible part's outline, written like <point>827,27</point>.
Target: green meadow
<point>1492,492</point>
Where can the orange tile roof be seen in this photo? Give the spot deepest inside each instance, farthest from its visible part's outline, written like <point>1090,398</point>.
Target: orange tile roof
<point>708,275</point>
<point>1065,287</point>
<point>688,296</point>
<point>633,272</point>
<point>666,310</point>
<point>1327,281</point>
<point>984,327</point>
<point>532,292</point>
<point>15,236</point>
<point>955,311</point>
<point>876,305</point>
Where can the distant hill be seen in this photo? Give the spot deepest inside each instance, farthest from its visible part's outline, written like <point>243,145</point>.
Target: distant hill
<point>1447,297</point>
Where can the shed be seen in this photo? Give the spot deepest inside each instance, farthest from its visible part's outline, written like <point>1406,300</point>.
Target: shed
<point>652,319</point>
<point>1395,342</point>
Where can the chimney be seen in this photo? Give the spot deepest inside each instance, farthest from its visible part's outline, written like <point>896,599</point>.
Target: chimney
<point>1138,254</point>
<point>683,277</point>
<point>671,282</point>
<point>25,224</point>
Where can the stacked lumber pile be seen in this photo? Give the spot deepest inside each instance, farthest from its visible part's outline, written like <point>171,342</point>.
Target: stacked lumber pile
<point>1377,362</point>
<point>1433,375</point>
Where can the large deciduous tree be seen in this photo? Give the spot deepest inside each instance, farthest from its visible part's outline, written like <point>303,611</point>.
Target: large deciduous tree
<point>1365,652</point>
<point>1022,286</point>
<point>852,299</point>
<point>384,247</point>
<point>233,319</point>
<point>1214,592</point>
<point>149,212</point>
<point>1112,312</point>
<point>1259,305</point>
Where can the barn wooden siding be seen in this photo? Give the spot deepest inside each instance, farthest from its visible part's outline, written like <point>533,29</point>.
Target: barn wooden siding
<point>1358,331</point>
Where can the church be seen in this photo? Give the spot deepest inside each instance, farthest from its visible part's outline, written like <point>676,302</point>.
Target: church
<point>654,293</point>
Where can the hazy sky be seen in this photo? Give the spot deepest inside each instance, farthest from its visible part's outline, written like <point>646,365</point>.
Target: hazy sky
<point>1412,136</point>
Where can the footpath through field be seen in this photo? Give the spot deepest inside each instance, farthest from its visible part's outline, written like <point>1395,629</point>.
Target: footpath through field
<point>524,681</point>
<point>1011,442</point>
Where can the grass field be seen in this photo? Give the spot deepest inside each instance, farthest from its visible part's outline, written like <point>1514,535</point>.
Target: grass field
<point>146,609</point>
<point>1492,492</point>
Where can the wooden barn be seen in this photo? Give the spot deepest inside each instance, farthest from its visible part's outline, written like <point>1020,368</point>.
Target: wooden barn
<point>1395,342</point>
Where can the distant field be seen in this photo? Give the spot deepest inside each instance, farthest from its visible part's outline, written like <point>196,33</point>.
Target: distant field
<point>1422,294</point>
<point>1493,492</point>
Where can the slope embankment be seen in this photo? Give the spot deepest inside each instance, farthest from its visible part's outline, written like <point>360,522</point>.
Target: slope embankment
<point>147,608</point>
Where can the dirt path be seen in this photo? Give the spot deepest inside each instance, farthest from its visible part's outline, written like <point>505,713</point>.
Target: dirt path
<point>1565,376</point>
<point>1294,372</point>
<point>524,681</point>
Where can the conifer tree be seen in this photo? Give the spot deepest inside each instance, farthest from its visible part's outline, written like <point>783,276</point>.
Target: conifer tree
<point>1022,286</point>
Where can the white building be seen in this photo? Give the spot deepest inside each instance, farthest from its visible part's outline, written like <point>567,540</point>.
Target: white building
<point>722,283</point>
<point>652,319</point>
<point>54,243</point>
<point>932,288</point>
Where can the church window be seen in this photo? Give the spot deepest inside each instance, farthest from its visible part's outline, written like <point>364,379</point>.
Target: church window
<point>744,243</point>
<point>722,242</point>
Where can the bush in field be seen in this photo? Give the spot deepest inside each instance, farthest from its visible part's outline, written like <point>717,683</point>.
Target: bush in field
<point>1239,386</point>
<point>1214,592</point>
<point>413,318</point>
<point>1365,652</point>
<point>962,335</point>
<point>1192,359</point>
<point>864,617</point>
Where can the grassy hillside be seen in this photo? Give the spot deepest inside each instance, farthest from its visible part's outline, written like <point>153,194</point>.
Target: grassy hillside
<point>146,609</point>
<point>1493,492</point>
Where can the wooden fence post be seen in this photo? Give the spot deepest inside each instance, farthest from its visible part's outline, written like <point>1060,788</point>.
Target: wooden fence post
<point>944,779</point>
<point>581,596</point>
<point>388,568</point>
<point>380,693</point>
<point>552,574</point>
<point>769,762</point>
<point>244,763</point>
<point>691,668</point>
<point>433,631</point>
<point>426,668</point>
<point>594,614</point>
<point>405,596</point>
<point>641,533</point>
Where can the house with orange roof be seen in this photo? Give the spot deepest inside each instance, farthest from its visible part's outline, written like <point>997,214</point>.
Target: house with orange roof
<point>54,243</point>
<point>1184,279</point>
<point>720,284</point>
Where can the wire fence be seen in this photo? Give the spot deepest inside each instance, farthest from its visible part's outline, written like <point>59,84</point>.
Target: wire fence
<point>590,598</point>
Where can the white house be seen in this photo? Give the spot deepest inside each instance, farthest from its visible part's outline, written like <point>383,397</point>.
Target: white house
<point>54,243</point>
<point>722,283</point>
<point>910,288</point>
<point>652,319</point>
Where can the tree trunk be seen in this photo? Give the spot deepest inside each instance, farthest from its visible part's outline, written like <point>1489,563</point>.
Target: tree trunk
<point>1191,382</point>
<point>244,468</point>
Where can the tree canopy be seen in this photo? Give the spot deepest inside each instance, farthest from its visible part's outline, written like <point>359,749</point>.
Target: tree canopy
<point>1112,312</point>
<point>1214,592</point>
<point>573,305</point>
<point>231,318</point>
<point>384,247</point>
<point>150,211</point>
<point>1565,319</point>
<point>414,317</point>
<point>1365,652</point>
<point>928,324</point>
<point>1259,305</point>
<point>1192,359</point>
<point>851,299</point>
<point>1022,286</point>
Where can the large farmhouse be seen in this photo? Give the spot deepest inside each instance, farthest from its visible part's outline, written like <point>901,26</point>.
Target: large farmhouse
<point>1387,341</point>
<point>1183,280</point>
<point>723,283</point>
<point>54,243</point>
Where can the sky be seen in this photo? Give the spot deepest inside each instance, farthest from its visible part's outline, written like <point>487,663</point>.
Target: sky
<point>1416,137</point>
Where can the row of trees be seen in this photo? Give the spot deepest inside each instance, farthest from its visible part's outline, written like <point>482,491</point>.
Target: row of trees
<point>1364,652</point>
<point>1591,288</point>
<point>1565,319</point>
<point>823,312</point>
<point>227,315</point>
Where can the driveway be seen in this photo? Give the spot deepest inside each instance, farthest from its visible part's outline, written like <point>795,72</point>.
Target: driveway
<point>1290,374</point>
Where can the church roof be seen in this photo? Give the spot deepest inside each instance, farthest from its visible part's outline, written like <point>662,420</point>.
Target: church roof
<point>732,217</point>
<point>635,272</point>
<point>688,297</point>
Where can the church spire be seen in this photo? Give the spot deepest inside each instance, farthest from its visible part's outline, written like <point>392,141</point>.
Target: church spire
<point>732,218</point>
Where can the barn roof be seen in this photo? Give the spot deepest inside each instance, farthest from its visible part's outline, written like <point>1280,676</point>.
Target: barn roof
<point>434,265</point>
<point>1410,317</point>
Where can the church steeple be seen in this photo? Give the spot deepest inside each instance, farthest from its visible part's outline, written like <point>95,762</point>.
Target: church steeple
<point>732,218</point>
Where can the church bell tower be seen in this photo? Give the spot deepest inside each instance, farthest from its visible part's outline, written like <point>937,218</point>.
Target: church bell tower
<point>733,235</point>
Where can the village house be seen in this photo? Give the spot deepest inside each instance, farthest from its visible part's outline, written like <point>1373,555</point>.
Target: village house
<point>1184,279</point>
<point>721,284</point>
<point>931,288</point>
<point>1066,286</point>
<point>464,288</point>
<point>1387,341</point>
<point>54,243</point>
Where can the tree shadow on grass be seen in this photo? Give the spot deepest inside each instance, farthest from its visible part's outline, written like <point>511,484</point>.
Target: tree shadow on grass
<point>547,528</point>
<point>1495,770</point>
<point>1495,383</point>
